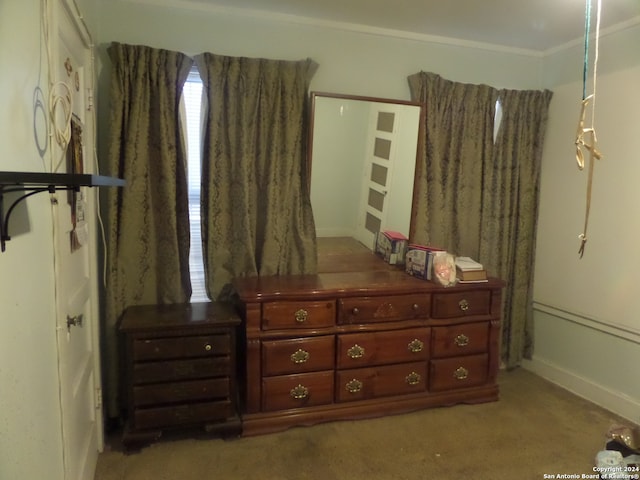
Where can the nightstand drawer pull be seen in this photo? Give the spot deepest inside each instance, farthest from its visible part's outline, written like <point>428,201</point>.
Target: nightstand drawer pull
<point>461,340</point>
<point>300,356</point>
<point>353,386</point>
<point>207,347</point>
<point>413,378</point>
<point>301,315</point>
<point>415,346</point>
<point>464,305</point>
<point>461,373</point>
<point>356,352</point>
<point>299,392</point>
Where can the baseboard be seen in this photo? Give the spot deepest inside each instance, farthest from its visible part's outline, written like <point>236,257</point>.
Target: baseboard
<point>616,402</point>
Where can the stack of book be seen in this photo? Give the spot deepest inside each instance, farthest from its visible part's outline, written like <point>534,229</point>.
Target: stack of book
<point>470,271</point>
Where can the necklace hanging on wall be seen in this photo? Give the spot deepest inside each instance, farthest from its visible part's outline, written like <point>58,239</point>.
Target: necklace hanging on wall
<point>586,140</point>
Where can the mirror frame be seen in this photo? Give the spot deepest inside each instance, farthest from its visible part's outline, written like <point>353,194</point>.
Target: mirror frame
<point>419,147</point>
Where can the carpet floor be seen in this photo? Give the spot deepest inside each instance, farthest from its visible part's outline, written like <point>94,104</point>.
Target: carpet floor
<point>535,429</point>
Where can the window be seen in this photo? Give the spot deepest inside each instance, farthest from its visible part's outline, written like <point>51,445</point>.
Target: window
<point>192,101</point>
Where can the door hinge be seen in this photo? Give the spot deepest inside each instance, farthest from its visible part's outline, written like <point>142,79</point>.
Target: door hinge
<point>98,401</point>
<point>89,99</point>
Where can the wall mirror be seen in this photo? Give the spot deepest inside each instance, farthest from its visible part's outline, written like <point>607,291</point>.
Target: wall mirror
<point>363,156</point>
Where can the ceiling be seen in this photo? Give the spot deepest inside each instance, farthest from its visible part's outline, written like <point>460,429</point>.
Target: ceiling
<point>537,25</point>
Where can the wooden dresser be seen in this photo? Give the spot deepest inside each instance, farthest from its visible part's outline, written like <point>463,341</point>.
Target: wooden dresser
<point>352,345</point>
<point>179,369</point>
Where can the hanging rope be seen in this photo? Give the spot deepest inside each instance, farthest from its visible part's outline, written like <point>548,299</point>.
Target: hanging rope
<point>586,136</point>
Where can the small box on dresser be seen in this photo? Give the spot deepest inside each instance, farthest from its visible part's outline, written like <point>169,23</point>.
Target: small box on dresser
<point>178,369</point>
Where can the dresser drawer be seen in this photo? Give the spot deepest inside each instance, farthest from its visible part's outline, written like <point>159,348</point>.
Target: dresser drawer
<point>173,370</point>
<point>374,382</point>
<point>463,339</point>
<point>182,414</point>
<point>459,372</point>
<point>294,391</point>
<point>379,348</point>
<point>179,392</point>
<point>461,304</point>
<point>298,355</point>
<point>181,347</point>
<point>315,314</point>
<point>382,309</point>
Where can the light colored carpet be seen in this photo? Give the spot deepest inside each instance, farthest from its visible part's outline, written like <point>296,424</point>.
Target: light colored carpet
<point>536,428</point>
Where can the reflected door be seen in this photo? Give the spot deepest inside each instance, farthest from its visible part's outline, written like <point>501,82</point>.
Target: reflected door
<point>378,172</point>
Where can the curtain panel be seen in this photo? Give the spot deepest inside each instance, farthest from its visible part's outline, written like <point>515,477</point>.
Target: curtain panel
<point>147,221</point>
<point>256,209</point>
<point>478,197</point>
<point>510,212</point>
<point>458,135</point>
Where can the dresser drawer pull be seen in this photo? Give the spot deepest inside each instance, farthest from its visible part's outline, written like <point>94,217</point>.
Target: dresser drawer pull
<point>355,310</point>
<point>415,306</point>
<point>461,373</point>
<point>413,378</point>
<point>300,356</point>
<point>301,315</point>
<point>464,305</point>
<point>461,340</point>
<point>208,347</point>
<point>353,386</point>
<point>415,346</point>
<point>356,351</point>
<point>299,392</point>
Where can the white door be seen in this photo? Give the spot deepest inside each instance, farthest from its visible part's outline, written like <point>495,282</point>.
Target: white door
<point>378,171</point>
<point>75,237</point>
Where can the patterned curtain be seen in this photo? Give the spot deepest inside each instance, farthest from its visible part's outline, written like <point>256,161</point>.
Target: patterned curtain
<point>256,210</point>
<point>458,143</point>
<point>148,224</point>
<point>510,212</point>
<point>479,198</point>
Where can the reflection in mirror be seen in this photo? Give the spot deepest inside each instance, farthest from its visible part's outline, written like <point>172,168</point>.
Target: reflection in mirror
<point>363,157</point>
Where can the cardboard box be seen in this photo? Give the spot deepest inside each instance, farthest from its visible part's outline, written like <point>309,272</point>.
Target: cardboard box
<point>391,246</point>
<point>419,261</point>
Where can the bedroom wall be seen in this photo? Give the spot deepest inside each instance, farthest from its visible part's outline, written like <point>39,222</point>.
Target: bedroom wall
<point>587,330</point>
<point>369,62</point>
<point>29,399</point>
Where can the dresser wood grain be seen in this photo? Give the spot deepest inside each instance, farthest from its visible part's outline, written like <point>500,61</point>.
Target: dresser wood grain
<point>350,345</point>
<point>179,370</point>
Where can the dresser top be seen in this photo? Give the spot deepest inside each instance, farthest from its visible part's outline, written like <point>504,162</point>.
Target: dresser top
<point>343,284</point>
<point>180,315</point>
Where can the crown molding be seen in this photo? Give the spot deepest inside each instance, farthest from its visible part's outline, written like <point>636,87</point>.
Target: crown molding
<point>200,6</point>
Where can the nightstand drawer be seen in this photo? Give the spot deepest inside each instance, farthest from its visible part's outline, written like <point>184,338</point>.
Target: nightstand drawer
<point>374,382</point>
<point>379,348</point>
<point>459,372</point>
<point>298,355</point>
<point>172,370</point>
<point>181,347</point>
<point>463,339</point>
<point>382,309</point>
<point>176,415</point>
<point>181,392</point>
<point>294,391</point>
<point>461,304</point>
<point>278,315</point>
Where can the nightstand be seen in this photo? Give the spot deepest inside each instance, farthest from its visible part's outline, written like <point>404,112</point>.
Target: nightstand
<point>179,370</point>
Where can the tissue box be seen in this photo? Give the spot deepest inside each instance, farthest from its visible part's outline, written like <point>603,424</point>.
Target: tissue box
<point>391,246</point>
